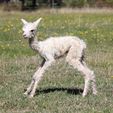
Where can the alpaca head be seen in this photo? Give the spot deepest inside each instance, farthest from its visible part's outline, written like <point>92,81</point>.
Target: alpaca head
<point>30,28</point>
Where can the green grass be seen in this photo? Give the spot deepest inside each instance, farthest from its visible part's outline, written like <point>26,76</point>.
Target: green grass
<point>57,91</point>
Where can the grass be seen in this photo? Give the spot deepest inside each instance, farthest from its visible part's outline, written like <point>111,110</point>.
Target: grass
<point>59,91</point>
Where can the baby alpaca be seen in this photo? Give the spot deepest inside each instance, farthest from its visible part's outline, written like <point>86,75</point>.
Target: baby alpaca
<point>54,48</point>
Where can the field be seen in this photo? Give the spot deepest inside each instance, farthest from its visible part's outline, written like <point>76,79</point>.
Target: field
<point>60,89</point>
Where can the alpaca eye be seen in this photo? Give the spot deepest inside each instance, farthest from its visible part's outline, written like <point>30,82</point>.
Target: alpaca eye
<point>32,30</point>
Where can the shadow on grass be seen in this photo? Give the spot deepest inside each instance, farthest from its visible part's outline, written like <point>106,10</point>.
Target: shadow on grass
<point>74,91</point>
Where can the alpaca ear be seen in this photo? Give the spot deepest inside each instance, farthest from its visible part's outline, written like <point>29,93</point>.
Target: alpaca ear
<point>36,23</point>
<point>24,21</point>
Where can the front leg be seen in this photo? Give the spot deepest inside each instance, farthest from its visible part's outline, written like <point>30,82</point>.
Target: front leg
<point>33,81</point>
<point>38,76</point>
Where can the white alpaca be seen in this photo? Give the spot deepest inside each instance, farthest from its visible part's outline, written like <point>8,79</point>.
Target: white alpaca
<point>54,48</point>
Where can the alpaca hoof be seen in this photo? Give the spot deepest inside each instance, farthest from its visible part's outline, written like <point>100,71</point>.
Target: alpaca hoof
<point>83,95</point>
<point>95,93</point>
<point>31,96</point>
<point>26,93</point>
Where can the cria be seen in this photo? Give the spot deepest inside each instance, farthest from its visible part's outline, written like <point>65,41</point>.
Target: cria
<point>54,48</point>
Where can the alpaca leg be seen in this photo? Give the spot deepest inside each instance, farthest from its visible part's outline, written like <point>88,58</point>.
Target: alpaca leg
<point>85,70</point>
<point>94,86</point>
<point>86,87</point>
<point>93,82</point>
<point>32,83</point>
<point>38,77</point>
<point>32,93</point>
<point>29,88</point>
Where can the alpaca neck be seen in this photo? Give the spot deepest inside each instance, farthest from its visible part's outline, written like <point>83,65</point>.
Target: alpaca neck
<point>34,43</point>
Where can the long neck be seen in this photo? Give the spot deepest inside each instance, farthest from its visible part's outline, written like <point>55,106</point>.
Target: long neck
<point>34,43</point>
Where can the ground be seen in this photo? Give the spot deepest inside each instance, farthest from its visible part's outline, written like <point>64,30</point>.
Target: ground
<point>61,87</point>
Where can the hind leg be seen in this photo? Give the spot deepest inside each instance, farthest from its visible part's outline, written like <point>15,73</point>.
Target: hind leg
<point>89,76</point>
<point>94,85</point>
<point>93,81</point>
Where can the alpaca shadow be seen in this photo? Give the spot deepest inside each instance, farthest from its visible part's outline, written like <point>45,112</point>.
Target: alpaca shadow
<point>74,91</point>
